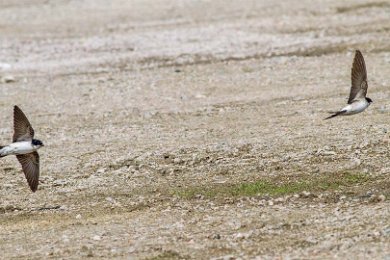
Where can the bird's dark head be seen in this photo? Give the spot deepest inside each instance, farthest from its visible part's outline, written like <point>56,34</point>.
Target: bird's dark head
<point>37,143</point>
<point>369,100</point>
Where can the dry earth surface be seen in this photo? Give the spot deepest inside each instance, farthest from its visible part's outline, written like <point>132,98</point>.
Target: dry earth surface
<point>181,129</point>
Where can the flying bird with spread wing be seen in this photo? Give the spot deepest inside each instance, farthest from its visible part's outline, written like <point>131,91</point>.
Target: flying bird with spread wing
<point>25,147</point>
<point>357,101</point>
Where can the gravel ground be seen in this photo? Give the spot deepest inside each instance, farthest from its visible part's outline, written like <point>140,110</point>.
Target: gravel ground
<point>181,129</point>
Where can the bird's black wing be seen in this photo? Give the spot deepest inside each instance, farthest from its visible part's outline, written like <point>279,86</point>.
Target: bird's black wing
<point>358,78</point>
<point>30,166</point>
<point>23,130</point>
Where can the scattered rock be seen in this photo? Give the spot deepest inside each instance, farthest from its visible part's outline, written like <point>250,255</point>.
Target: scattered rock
<point>217,236</point>
<point>101,170</point>
<point>63,207</point>
<point>8,79</point>
<point>60,182</point>
<point>240,236</point>
<point>177,161</point>
<point>326,151</point>
<point>306,194</point>
<point>112,200</point>
<point>377,198</point>
<point>96,238</point>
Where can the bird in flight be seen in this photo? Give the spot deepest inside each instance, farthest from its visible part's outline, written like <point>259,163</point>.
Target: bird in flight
<point>357,101</point>
<point>25,147</point>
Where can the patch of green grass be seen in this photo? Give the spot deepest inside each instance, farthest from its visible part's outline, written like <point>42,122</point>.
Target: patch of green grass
<point>266,187</point>
<point>275,187</point>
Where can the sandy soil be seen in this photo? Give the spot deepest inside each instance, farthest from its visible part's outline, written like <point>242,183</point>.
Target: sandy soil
<point>154,114</point>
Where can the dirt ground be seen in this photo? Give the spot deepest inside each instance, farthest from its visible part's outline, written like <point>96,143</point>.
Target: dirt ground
<point>183,129</point>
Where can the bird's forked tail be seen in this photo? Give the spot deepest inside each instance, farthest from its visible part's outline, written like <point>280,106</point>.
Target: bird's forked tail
<point>336,114</point>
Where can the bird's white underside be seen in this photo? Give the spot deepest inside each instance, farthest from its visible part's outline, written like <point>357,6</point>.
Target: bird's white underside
<point>355,107</point>
<point>24,147</point>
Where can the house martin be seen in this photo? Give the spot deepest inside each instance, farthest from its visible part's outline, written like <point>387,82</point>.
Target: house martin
<point>25,147</point>
<point>357,101</point>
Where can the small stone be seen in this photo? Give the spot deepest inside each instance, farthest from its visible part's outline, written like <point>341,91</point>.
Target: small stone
<point>199,96</point>
<point>101,170</point>
<point>8,79</point>
<point>280,200</point>
<point>96,238</point>
<point>305,194</point>
<point>63,207</point>
<point>101,80</point>
<point>65,238</point>
<point>109,199</point>
<point>356,162</point>
<point>59,182</point>
<point>377,198</point>
<point>177,160</point>
<point>243,235</point>
<point>328,153</point>
<point>78,216</point>
<point>217,236</point>
<point>381,198</point>
<point>386,231</point>
<point>9,207</point>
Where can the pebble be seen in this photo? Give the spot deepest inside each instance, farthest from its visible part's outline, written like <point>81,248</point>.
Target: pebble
<point>377,198</point>
<point>177,160</point>
<point>110,199</point>
<point>8,79</point>
<point>60,182</point>
<point>96,238</point>
<point>9,207</point>
<point>101,170</point>
<point>243,235</point>
<point>381,197</point>
<point>305,194</point>
<point>325,151</point>
<point>356,162</point>
<point>386,231</point>
<point>217,236</point>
